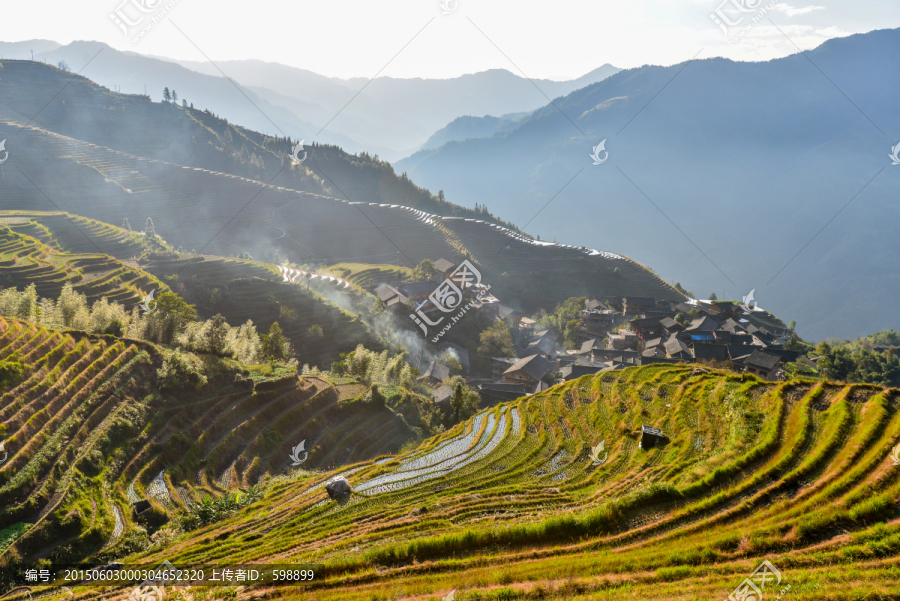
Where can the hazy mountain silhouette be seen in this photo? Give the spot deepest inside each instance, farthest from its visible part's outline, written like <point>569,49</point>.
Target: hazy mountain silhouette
<point>750,160</point>
<point>467,126</point>
<point>391,116</point>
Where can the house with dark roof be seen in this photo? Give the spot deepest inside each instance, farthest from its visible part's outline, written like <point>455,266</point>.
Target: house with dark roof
<point>539,346</point>
<point>710,353</point>
<point>602,302</point>
<point>588,345</point>
<point>607,355</point>
<point>385,292</point>
<point>393,300</point>
<point>418,291</point>
<point>442,395</point>
<point>435,373</point>
<point>646,327</point>
<point>637,304</point>
<point>596,322</point>
<point>738,352</point>
<point>528,370</point>
<point>500,365</point>
<point>788,356</point>
<point>682,307</point>
<point>504,312</point>
<point>495,393</point>
<point>669,326</point>
<point>655,343</point>
<point>653,353</point>
<point>701,328</point>
<point>676,349</point>
<point>763,364</point>
<point>571,372</point>
<point>730,325</point>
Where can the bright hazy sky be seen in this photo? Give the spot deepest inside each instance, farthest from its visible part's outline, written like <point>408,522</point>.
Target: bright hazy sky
<point>557,39</point>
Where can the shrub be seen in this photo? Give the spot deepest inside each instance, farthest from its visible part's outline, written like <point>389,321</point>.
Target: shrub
<point>11,373</point>
<point>179,371</point>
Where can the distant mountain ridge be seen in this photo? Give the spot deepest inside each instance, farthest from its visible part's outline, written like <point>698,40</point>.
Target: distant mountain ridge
<point>467,126</point>
<point>391,117</point>
<point>749,160</point>
<point>399,114</point>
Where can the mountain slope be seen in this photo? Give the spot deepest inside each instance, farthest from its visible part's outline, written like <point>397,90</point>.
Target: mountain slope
<point>87,432</point>
<point>749,160</point>
<point>225,215</point>
<point>513,505</point>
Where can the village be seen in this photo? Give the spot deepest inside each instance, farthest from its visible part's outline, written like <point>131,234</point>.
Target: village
<point>614,333</point>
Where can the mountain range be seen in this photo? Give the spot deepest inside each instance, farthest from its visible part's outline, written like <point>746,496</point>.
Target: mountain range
<point>388,116</point>
<point>728,176</point>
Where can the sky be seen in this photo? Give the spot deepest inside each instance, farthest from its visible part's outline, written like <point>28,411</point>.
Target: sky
<point>558,40</point>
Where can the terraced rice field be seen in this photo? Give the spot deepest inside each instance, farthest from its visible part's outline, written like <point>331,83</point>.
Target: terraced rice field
<point>511,506</point>
<point>26,260</point>
<point>88,433</point>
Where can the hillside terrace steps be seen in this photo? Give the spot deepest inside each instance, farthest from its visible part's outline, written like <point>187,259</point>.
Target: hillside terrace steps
<point>307,239</point>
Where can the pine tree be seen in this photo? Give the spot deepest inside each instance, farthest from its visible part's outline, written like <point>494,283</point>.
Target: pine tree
<point>126,225</point>
<point>148,229</point>
<point>166,95</point>
<point>184,103</point>
<point>174,96</point>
